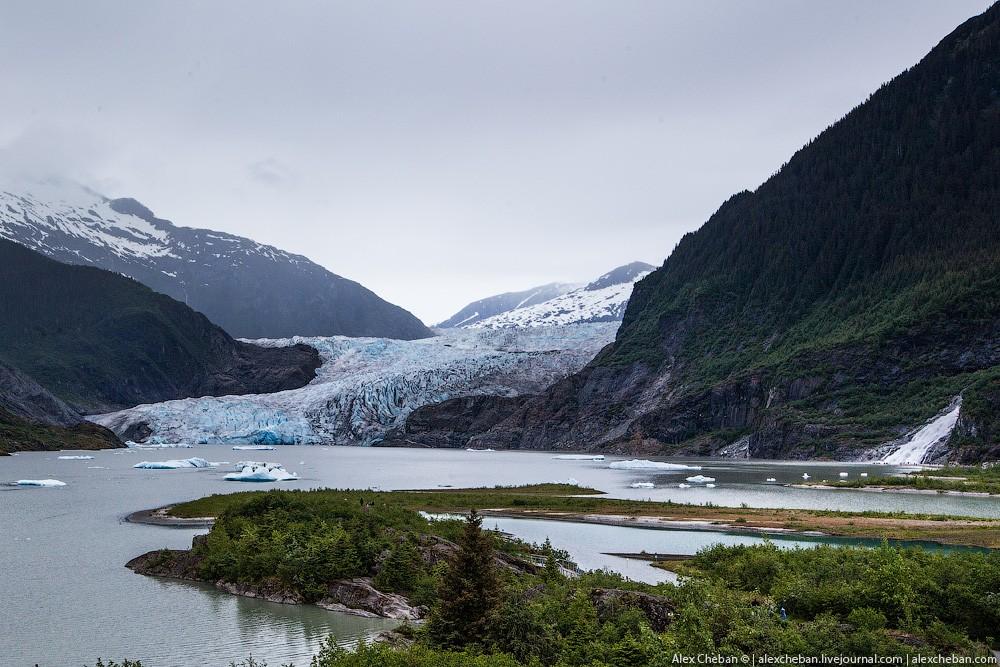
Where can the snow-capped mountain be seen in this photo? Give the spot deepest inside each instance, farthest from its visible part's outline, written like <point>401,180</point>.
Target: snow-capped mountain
<point>248,288</point>
<point>501,303</point>
<point>368,385</point>
<point>603,300</point>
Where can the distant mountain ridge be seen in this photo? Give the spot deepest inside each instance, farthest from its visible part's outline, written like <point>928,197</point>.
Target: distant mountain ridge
<point>501,303</point>
<point>98,340</point>
<point>603,300</point>
<point>250,289</point>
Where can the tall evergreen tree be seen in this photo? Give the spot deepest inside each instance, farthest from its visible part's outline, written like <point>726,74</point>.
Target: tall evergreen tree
<point>469,591</point>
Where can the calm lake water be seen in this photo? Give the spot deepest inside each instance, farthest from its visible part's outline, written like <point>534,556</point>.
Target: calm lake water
<point>67,599</point>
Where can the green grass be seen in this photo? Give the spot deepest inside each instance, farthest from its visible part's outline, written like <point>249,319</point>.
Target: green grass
<point>971,479</point>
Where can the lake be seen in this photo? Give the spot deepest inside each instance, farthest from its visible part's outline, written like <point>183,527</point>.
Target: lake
<point>68,599</point>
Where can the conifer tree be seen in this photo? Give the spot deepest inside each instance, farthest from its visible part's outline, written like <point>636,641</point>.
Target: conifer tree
<point>469,591</point>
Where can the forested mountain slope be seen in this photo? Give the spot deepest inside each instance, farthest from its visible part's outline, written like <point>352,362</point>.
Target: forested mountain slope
<point>100,341</point>
<point>845,301</point>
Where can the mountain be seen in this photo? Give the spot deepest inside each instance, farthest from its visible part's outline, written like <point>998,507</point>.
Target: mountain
<point>249,289</point>
<point>839,306</point>
<point>101,341</point>
<point>501,303</point>
<point>31,418</point>
<point>367,387</point>
<point>602,300</point>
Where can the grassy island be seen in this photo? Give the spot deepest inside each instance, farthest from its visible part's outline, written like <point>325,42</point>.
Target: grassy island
<point>486,600</point>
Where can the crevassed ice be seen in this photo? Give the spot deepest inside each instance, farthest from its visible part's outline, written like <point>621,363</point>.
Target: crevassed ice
<point>369,385</point>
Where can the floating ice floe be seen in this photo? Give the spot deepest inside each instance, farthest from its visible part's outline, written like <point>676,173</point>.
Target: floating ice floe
<point>174,464</point>
<point>843,474</point>
<point>473,449</point>
<point>645,464</point>
<point>864,474</point>
<point>805,475</point>
<point>710,486</point>
<point>74,458</point>
<point>642,485</point>
<point>580,457</point>
<point>771,479</point>
<point>257,471</point>
<point>254,448</point>
<point>39,482</point>
<point>700,479</point>
<point>96,468</point>
<point>682,485</point>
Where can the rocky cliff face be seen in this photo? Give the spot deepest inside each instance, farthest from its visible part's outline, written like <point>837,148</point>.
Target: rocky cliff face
<point>843,303</point>
<point>31,418</point>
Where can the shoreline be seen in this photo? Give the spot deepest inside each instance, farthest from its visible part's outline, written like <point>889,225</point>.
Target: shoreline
<point>847,527</point>
<point>875,488</point>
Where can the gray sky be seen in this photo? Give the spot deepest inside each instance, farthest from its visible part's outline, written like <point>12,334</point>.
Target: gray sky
<point>438,152</point>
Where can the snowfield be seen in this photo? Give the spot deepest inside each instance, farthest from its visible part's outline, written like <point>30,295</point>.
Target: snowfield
<point>369,385</point>
<point>585,304</point>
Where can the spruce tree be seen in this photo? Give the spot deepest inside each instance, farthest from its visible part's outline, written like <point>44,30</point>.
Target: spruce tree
<point>470,590</point>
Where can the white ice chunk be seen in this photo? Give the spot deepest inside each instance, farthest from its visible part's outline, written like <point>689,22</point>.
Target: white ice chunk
<point>770,479</point>
<point>805,475</point>
<point>174,464</point>
<point>39,482</point>
<point>700,479</point>
<point>682,485</point>
<point>255,448</point>
<point>74,458</point>
<point>644,464</point>
<point>580,457</point>
<point>843,474</point>
<point>642,485</point>
<point>255,471</point>
<point>710,486</point>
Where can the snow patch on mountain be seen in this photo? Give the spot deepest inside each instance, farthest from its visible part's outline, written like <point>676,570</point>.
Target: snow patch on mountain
<point>603,300</point>
<point>369,385</point>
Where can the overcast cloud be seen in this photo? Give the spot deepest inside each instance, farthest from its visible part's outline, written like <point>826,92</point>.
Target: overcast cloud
<point>438,152</point>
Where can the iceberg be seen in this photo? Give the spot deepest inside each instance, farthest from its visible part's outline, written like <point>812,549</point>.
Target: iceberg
<point>74,458</point>
<point>580,457</point>
<point>473,449</point>
<point>39,482</point>
<point>174,464</point>
<point>645,464</point>
<point>710,486</point>
<point>682,485</point>
<point>642,485</point>
<point>256,471</point>
<point>770,479</point>
<point>864,474</point>
<point>253,448</point>
<point>805,475</point>
<point>843,474</point>
<point>700,479</point>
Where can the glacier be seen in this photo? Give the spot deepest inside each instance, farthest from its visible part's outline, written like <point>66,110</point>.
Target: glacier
<point>366,386</point>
